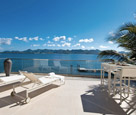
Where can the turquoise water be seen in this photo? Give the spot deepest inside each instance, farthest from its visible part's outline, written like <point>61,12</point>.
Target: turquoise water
<point>58,63</point>
<point>52,56</point>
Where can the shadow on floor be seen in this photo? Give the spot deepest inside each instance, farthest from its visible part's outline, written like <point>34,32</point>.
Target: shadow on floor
<point>10,86</point>
<point>7,87</point>
<point>15,101</point>
<point>131,105</point>
<point>97,100</point>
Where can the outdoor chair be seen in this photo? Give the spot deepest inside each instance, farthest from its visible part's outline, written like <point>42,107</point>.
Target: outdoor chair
<point>52,74</point>
<point>122,80</point>
<point>58,67</point>
<point>44,66</point>
<point>5,80</point>
<point>108,69</point>
<point>37,83</point>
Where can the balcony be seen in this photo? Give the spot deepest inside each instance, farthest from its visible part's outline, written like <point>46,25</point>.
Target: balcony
<point>66,67</point>
<point>82,95</point>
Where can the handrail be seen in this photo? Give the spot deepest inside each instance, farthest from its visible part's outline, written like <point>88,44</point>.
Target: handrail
<point>52,59</point>
<point>69,67</point>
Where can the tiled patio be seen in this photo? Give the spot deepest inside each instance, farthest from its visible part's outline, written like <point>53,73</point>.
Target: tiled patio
<point>79,96</point>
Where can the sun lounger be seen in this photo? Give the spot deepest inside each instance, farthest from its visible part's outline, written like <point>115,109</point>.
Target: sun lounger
<point>5,80</point>
<point>58,67</point>
<point>38,82</point>
<point>53,75</point>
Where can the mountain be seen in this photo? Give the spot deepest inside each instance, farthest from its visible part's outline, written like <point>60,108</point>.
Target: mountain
<point>49,51</point>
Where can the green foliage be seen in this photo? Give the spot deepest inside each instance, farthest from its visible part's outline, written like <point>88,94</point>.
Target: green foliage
<point>125,37</point>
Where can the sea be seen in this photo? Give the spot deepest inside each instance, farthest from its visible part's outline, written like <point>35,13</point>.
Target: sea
<point>58,63</point>
<point>51,56</point>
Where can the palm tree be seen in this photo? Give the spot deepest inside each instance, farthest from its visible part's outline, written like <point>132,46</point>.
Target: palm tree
<point>125,38</point>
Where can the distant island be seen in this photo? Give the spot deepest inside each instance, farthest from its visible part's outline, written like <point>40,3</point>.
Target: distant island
<point>49,51</point>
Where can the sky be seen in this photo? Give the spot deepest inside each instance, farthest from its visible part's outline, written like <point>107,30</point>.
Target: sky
<point>62,24</point>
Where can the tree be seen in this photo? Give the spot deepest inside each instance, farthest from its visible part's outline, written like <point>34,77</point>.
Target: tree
<point>125,37</point>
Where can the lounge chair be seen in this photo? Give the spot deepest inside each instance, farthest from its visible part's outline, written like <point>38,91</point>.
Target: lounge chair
<point>38,65</point>
<point>52,74</point>
<point>5,80</point>
<point>58,67</point>
<point>38,82</point>
<point>44,65</point>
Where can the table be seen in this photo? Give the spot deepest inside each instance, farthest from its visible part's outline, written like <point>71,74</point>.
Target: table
<point>111,68</point>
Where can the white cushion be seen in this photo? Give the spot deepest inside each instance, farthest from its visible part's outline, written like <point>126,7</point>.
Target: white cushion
<point>46,80</point>
<point>52,74</point>
<point>11,78</point>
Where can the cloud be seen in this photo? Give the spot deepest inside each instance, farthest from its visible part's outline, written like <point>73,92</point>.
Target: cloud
<point>69,39</point>
<point>86,40</point>
<point>34,38</point>
<point>77,45</point>
<point>111,34</point>
<point>48,37</point>
<point>66,44</point>
<point>36,45</point>
<point>83,47</point>
<point>92,47</point>
<point>62,41</point>
<point>41,39</point>
<point>134,15</point>
<point>22,39</point>
<point>51,45</point>
<point>6,41</point>
<point>110,42</point>
<point>123,23</point>
<point>103,47</point>
<point>29,39</point>
<point>58,45</point>
<point>44,44</point>
<point>59,38</point>
<point>49,42</point>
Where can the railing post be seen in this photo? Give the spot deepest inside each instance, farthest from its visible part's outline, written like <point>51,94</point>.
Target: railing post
<point>71,68</point>
<point>78,66</point>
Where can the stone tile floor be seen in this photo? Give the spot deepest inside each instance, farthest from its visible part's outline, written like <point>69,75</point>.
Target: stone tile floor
<point>79,96</point>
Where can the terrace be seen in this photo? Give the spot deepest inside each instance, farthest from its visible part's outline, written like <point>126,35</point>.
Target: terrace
<point>82,95</point>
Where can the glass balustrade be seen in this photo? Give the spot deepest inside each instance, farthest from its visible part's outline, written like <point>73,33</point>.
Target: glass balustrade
<point>69,67</point>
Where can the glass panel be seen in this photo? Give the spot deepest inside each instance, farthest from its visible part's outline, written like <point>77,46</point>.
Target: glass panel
<point>2,65</point>
<point>70,67</point>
